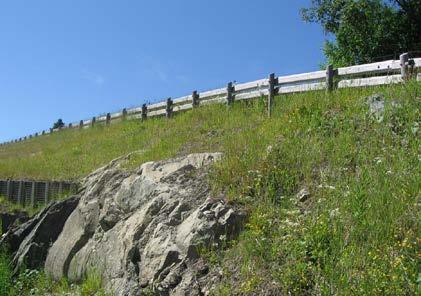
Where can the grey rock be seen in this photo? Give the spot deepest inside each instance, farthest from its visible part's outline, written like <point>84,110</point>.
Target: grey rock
<point>30,242</point>
<point>303,194</point>
<point>142,229</point>
<point>376,105</point>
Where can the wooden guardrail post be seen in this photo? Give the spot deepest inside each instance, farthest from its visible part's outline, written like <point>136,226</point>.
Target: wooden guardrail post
<point>81,124</point>
<point>93,121</point>
<point>124,114</point>
<point>169,108</point>
<point>108,119</point>
<point>33,194</point>
<point>195,99</point>
<point>230,93</point>
<point>330,74</point>
<point>404,59</point>
<point>272,92</point>
<point>144,113</point>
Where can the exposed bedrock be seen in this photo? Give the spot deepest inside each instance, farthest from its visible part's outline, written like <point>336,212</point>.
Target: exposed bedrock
<point>142,229</point>
<point>29,243</point>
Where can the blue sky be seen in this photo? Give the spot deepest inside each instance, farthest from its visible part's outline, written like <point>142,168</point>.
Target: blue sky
<point>73,59</point>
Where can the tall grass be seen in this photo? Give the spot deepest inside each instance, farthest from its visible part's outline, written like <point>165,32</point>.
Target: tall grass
<point>37,283</point>
<point>357,234</point>
<point>5,274</point>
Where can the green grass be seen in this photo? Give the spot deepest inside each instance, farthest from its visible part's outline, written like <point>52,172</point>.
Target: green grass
<point>358,234</point>
<point>37,283</point>
<point>5,274</point>
<point>8,206</point>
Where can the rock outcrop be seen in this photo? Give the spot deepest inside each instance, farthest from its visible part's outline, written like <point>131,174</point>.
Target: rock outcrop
<point>30,241</point>
<point>141,230</point>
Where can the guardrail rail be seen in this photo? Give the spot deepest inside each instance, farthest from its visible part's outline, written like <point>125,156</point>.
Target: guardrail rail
<point>381,73</point>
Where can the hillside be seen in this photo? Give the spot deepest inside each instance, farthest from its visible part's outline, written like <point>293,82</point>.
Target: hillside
<point>353,229</point>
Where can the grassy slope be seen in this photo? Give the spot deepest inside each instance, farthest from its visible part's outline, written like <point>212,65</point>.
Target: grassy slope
<point>358,232</point>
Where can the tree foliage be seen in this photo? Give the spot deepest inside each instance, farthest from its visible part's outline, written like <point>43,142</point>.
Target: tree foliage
<point>58,124</point>
<point>366,30</point>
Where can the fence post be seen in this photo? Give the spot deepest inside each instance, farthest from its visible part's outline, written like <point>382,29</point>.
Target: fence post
<point>108,119</point>
<point>47,189</point>
<point>60,188</point>
<point>81,124</point>
<point>144,113</point>
<point>19,198</point>
<point>8,189</point>
<point>195,99</point>
<point>404,59</point>
<point>124,114</point>
<point>93,121</point>
<point>230,93</point>
<point>169,108</point>
<point>330,74</point>
<point>33,194</point>
<point>272,92</point>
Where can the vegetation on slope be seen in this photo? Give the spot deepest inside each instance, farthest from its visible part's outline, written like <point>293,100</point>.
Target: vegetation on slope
<point>37,283</point>
<point>358,233</point>
<point>6,206</point>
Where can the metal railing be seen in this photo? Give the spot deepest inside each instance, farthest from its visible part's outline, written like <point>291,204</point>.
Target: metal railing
<point>35,193</point>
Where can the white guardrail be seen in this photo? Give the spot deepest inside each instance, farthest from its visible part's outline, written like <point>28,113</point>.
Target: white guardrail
<point>381,73</point>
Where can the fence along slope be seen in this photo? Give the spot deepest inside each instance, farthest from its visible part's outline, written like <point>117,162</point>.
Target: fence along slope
<point>381,73</point>
<point>34,193</point>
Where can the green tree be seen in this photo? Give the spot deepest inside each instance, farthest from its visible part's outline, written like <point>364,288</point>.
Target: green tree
<point>58,124</point>
<point>366,29</point>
